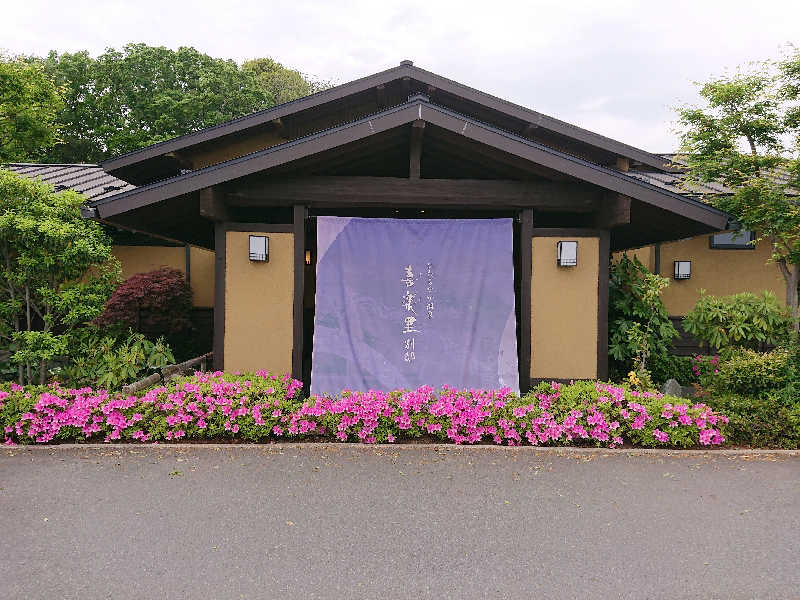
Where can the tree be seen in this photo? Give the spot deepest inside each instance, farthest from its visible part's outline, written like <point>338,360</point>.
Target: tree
<point>746,136</point>
<point>29,106</point>
<point>140,95</point>
<point>638,325</point>
<point>56,274</point>
<point>157,304</point>
<point>130,98</point>
<point>281,83</point>
<point>80,117</point>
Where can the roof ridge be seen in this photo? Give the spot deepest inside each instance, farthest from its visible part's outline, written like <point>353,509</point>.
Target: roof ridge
<point>34,164</point>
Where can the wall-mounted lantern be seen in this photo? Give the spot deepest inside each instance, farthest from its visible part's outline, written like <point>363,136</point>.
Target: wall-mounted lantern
<point>259,248</point>
<point>683,269</point>
<point>567,254</point>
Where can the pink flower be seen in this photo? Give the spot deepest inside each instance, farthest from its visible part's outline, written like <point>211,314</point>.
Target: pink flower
<point>660,435</point>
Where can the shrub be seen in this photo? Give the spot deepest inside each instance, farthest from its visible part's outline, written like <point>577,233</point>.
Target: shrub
<point>264,407</point>
<point>670,366</point>
<point>637,319</point>
<point>113,362</point>
<point>749,373</point>
<point>762,422</point>
<point>158,303</point>
<point>742,320</point>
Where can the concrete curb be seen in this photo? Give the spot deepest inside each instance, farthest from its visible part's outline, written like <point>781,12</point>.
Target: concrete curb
<point>538,450</point>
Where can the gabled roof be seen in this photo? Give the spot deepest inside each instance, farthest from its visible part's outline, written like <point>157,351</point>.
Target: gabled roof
<point>449,93</point>
<point>416,108</point>
<point>90,180</point>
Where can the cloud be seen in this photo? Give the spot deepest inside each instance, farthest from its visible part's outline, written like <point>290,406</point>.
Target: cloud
<point>616,65</point>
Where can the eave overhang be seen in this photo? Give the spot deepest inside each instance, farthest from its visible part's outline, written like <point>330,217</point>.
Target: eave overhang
<point>417,108</point>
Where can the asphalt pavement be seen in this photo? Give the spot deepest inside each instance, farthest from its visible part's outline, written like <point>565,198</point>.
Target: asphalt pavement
<point>342,521</point>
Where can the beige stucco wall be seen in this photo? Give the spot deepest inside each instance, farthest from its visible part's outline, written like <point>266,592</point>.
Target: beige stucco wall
<point>564,311</point>
<point>141,259</point>
<point>201,262</point>
<point>645,255</point>
<point>233,149</point>
<point>259,300</point>
<point>720,272</point>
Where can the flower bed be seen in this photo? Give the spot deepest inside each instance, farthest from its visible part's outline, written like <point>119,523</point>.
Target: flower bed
<point>263,407</point>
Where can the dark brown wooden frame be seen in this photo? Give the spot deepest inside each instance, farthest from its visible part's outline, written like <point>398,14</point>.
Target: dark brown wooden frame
<point>220,267</point>
<point>299,229</point>
<point>602,291</point>
<point>526,271</point>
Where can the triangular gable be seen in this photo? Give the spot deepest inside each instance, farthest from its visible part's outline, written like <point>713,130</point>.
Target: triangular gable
<point>451,94</point>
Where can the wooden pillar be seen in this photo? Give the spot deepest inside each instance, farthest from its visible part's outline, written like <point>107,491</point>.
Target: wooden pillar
<point>602,305</point>
<point>300,213</point>
<point>526,269</point>
<point>219,295</point>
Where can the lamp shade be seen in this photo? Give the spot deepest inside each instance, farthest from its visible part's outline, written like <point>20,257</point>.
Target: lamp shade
<point>683,269</point>
<point>259,248</point>
<point>567,254</point>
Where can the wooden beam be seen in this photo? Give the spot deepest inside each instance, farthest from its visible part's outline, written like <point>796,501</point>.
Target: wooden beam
<point>380,96</point>
<point>213,206</point>
<point>459,146</point>
<point>612,211</point>
<point>406,87</point>
<point>382,191</point>
<point>183,161</point>
<point>623,164</point>
<point>280,127</point>
<point>415,149</point>
<point>343,155</point>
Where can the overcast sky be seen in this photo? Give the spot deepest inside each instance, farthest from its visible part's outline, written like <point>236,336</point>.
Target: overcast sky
<point>613,66</point>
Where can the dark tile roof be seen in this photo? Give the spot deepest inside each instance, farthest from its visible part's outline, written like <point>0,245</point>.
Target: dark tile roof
<point>674,182</point>
<point>90,180</point>
<point>778,175</point>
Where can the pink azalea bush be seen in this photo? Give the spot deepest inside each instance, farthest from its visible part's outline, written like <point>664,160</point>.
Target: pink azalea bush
<point>263,407</point>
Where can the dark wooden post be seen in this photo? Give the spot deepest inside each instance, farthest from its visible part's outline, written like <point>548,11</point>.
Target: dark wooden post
<point>526,268</point>
<point>219,295</point>
<point>602,305</point>
<point>300,213</point>
<point>214,208</point>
